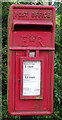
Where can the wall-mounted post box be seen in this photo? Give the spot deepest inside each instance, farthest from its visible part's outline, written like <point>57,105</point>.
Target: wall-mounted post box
<point>31,34</point>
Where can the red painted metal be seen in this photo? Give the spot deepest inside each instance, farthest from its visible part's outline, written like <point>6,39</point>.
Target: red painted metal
<point>31,28</point>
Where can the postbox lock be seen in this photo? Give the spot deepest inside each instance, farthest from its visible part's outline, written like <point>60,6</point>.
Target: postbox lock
<point>32,54</point>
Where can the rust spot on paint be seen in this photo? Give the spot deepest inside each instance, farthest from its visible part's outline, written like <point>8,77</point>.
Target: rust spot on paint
<point>39,97</point>
<point>29,18</point>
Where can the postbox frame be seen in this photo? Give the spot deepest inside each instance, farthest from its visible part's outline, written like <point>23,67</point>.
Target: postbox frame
<point>13,56</point>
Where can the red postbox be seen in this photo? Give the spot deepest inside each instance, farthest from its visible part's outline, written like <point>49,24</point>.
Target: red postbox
<point>31,34</point>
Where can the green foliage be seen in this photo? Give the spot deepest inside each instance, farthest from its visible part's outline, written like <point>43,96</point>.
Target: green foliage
<point>57,110</point>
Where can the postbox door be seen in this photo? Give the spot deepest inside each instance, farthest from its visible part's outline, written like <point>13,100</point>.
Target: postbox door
<point>35,101</point>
